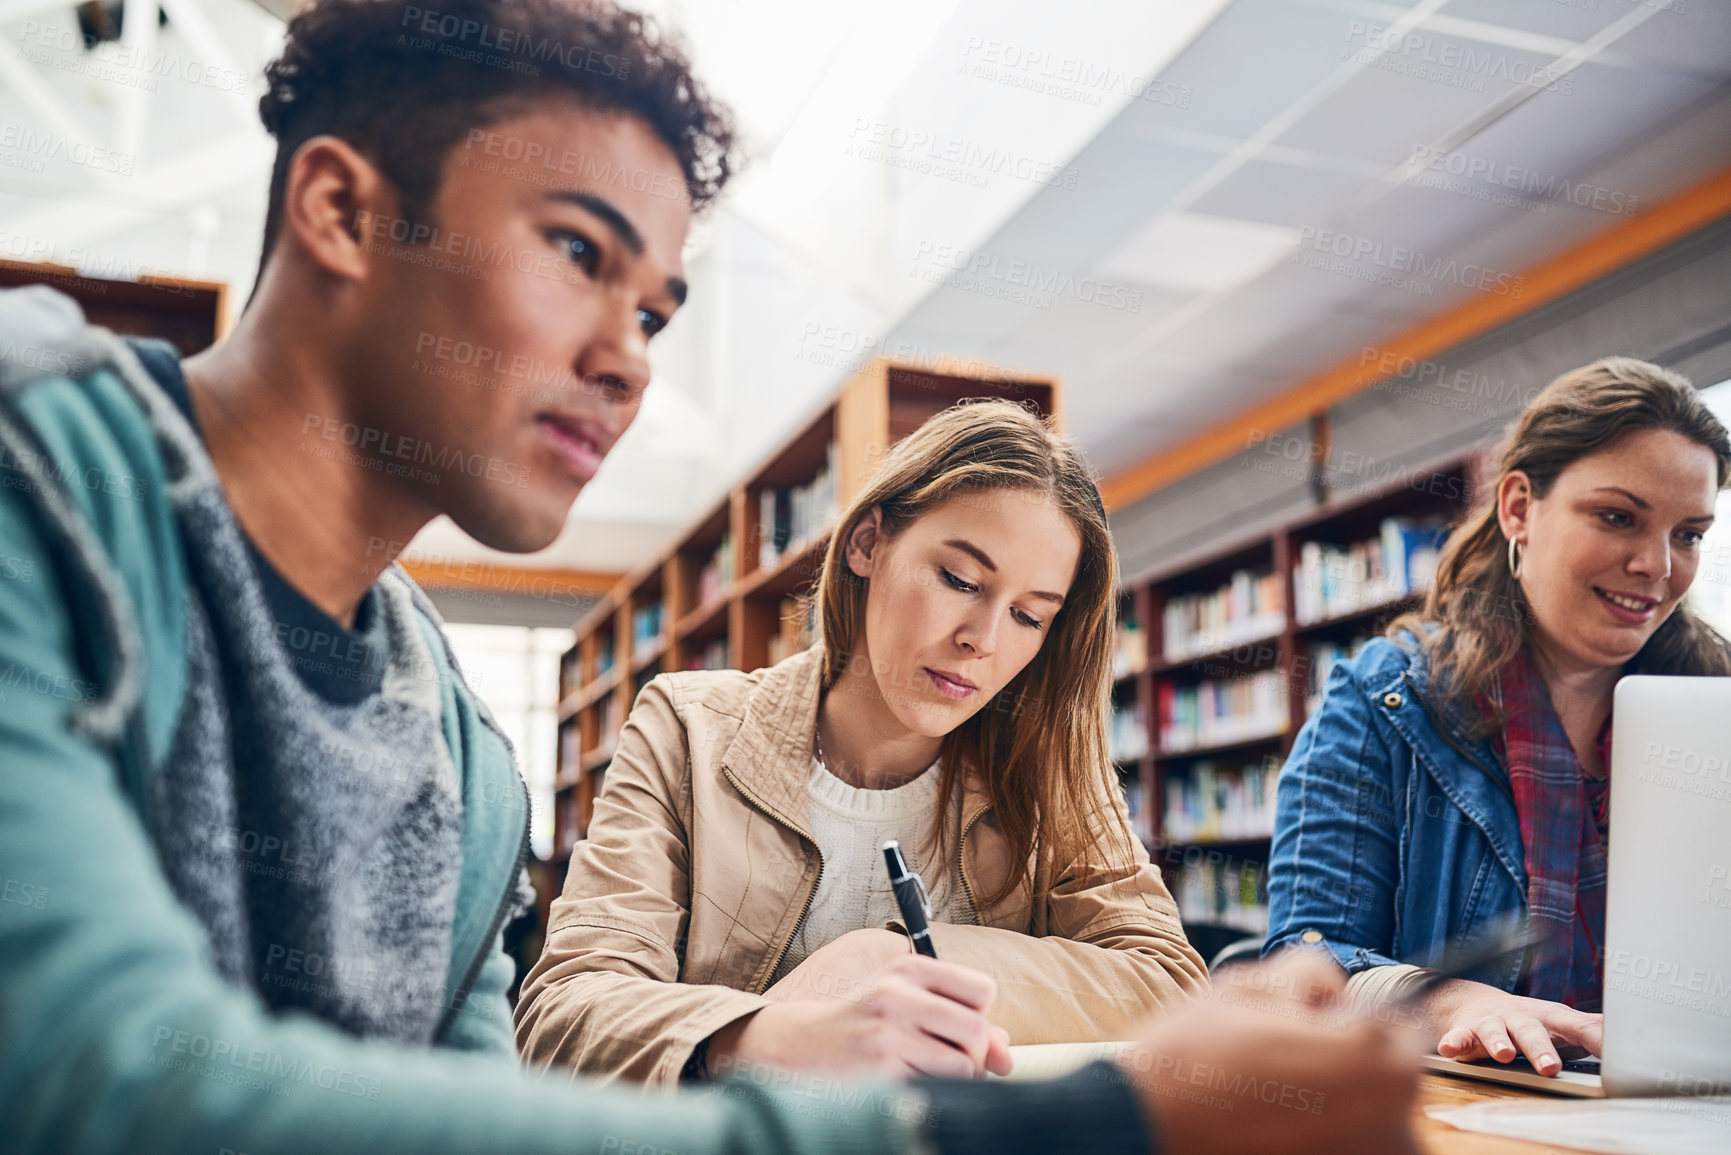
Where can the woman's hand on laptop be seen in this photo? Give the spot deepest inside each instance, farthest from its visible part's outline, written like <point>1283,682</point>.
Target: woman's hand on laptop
<point>1477,1021</point>
<point>872,1005</point>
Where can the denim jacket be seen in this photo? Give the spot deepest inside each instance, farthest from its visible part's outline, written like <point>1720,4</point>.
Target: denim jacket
<point>1393,831</point>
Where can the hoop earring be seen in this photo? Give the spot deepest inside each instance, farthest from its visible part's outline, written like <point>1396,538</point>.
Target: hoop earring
<point>1514,559</point>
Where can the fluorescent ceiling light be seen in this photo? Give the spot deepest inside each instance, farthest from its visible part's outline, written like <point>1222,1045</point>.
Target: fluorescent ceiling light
<point>1194,253</point>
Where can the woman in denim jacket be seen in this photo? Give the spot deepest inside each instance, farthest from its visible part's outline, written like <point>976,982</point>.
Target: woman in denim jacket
<point>1457,768</point>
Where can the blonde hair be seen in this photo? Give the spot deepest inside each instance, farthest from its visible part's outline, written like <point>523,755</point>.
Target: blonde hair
<point>1475,617</point>
<point>1040,745</point>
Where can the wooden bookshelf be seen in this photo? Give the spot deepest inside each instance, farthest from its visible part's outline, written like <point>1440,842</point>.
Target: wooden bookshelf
<point>191,315</point>
<point>1284,651</point>
<point>736,616</point>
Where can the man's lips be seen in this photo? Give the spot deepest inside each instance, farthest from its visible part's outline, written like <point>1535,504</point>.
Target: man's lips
<point>950,685</point>
<point>578,445</point>
<point>1626,607</point>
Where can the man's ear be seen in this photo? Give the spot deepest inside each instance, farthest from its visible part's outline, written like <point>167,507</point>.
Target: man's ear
<point>862,541</point>
<point>334,200</point>
<point>1514,505</point>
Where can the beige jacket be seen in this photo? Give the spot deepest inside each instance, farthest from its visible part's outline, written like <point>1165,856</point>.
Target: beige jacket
<point>699,865</point>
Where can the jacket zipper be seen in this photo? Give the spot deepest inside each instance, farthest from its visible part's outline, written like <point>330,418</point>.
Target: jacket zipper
<point>461,994</point>
<point>1443,733</point>
<point>962,870</point>
<point>811,892</point>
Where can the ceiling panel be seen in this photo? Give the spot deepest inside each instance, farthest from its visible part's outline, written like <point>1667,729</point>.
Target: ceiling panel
<point>1254,60</point>
<point>1405,98</point>
<point>1118,186</point>
<point>1575,19</point>
<point>1693,35</point>
<point>1282,194</point>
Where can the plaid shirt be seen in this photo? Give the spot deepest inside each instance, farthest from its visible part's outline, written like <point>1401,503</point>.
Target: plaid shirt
<point>1561,817</point>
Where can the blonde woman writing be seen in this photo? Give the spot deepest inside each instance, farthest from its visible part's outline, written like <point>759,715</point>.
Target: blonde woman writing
<point>730,903</point>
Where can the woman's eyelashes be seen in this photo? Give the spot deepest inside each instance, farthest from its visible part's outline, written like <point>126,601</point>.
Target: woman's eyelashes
<point>958,583</point>
<point>966,587</point>
<point>1622,519</point>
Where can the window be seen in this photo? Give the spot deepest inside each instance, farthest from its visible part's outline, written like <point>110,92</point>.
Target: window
<point>1710,596</point>
<point>515,670</point>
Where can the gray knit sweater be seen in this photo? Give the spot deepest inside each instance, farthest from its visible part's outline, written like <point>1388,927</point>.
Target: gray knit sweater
<point>317,842</point>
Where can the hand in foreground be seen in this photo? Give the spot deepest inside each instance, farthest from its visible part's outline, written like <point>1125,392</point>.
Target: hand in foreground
<point>1267,1065</point>
<point>860,1006</point>
<point>1476,1021</point>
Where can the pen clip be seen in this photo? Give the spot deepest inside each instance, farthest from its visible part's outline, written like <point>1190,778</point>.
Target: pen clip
<point>920,885</point>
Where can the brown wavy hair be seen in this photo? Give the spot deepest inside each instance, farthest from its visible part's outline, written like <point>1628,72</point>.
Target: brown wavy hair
<point>1040,745</point>
<point>1475,617</point>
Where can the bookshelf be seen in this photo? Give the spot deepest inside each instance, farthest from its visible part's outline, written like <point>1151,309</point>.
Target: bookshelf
<point>1221,660</point>
<point>190,315</point>
<point>727,593</point>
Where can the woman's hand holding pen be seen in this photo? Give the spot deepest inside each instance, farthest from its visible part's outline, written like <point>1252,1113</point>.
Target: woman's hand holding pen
<point>1476,1021</point>
<point>865,1003</point>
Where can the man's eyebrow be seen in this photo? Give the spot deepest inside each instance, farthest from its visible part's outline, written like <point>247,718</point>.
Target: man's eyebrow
<point>612,217</point>
<point>979,555</point>
<point>622,228</point>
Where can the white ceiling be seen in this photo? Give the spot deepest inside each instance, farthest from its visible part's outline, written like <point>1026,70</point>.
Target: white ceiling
<point>1299,122</point>
<point>1125,186</point>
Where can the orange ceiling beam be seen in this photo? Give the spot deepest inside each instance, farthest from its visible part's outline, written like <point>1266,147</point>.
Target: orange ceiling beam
<point>527,581</point>
<point>1621,244</point>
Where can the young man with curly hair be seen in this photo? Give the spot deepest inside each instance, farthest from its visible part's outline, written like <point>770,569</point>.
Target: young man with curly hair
<point>257,838</point>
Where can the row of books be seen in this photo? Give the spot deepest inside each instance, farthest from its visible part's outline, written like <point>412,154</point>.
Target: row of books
<point>798,630</point>
<point>717,573</point>
<point>712,656</point>
<point>1135,802</point>
<point>612,718</point>
<point>1129,650</point>
<point>1401,560</point>
<point>1127,740</point>
<point>788,518</point>
<point>1211,801</point>
<point>604,653</point>
<point>1319,660</point>
<point>1215,713</point>
<point>645,626</point>
<point>1248,607</point>
<point>1221,889</point>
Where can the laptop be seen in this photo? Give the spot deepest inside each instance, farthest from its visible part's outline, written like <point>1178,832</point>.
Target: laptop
<point>1668,904</point>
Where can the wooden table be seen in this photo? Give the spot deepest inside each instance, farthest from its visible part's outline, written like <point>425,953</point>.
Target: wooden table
<point>1438,1138</point>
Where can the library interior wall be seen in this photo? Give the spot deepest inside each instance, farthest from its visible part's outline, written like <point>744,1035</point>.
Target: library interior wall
<point>1672,307</point>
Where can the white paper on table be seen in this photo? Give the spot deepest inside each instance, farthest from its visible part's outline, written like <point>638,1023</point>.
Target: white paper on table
<point>1055,1060</point>
<point>1614,1126</point>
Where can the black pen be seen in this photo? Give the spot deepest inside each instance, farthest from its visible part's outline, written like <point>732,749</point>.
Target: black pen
<point>910,897</point>
<point>1506,936</point>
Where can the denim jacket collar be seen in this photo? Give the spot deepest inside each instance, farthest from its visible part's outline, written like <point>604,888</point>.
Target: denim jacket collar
<point>1468,771</point>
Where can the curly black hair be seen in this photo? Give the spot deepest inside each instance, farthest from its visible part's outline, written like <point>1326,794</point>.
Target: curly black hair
<point>404,83</point>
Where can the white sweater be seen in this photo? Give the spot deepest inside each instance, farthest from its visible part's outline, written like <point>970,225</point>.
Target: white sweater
<point>853,892</point>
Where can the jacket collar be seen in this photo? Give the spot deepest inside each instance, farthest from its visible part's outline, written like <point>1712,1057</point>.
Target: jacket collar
<point>1467,770</point>
<point>769,759</point>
